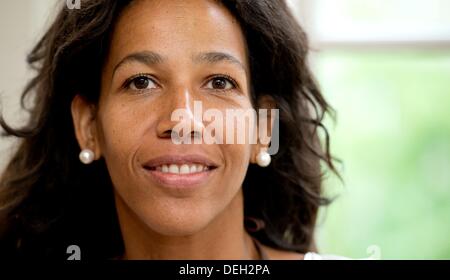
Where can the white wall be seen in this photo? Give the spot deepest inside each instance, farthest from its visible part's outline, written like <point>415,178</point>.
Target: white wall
<point>22,22</point>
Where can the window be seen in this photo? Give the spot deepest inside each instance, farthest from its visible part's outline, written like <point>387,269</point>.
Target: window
<point>385,68</point>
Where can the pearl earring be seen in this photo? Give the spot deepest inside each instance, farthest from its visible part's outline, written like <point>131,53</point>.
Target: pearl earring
<point>87,156</point>
<point>263,159</point>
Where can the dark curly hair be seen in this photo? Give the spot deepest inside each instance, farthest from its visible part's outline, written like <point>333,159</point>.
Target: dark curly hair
<point>48,200</point>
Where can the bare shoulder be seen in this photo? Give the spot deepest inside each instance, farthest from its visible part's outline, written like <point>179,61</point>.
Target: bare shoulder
<point>278,254</point>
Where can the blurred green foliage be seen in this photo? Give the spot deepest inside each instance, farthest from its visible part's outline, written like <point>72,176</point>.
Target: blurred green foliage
<point>393,136</point>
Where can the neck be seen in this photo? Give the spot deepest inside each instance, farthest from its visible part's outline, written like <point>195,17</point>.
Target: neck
<point>224,238</point>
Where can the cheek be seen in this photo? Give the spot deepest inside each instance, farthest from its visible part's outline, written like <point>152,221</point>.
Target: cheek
<point>237,153</point>
<point>120,129</point>
<point>121,133</point>
<point>236,165</point>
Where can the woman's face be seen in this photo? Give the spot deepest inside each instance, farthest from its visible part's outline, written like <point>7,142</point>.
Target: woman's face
<point>164,55</point>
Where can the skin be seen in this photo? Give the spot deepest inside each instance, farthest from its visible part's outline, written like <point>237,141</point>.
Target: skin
<point>129,127</point>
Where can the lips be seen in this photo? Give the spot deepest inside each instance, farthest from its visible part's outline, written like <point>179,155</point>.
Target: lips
<point>180,171</point>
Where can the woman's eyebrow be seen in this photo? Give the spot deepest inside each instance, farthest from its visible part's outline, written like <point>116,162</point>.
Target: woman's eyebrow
<point>151,58</point>
<point>146,57</point>
<point>214,57</point>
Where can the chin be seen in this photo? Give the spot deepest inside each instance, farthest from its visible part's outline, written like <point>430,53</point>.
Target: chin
<point>177,221</point>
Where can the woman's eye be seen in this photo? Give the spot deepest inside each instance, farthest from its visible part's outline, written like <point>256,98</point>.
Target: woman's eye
<point>220,83</point>
<point>141,83</point>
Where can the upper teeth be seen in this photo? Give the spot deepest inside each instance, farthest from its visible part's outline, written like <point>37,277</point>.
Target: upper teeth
<point>182,169</point>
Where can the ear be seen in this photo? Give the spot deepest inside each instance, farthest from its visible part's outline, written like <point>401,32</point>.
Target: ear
<point>263,102</point>
<point>84,116</point>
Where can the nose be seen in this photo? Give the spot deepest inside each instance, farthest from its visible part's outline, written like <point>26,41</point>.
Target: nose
<point>180,110</point>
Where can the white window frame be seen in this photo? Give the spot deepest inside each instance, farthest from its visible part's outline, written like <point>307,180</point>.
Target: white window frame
<point>304,10</point>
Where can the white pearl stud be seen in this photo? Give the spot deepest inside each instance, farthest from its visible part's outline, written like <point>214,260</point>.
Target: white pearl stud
<point>263,159</point>
<point>87,156</point>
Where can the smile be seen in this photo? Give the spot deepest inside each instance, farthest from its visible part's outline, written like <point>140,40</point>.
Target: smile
<point>173,171</point>
<point>182,169</point>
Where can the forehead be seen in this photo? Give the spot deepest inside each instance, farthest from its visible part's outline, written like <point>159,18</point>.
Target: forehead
<point>177,28</point>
